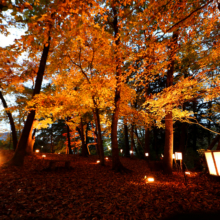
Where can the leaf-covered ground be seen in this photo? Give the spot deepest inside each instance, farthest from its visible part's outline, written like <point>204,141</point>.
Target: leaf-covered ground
<point>90,191</point>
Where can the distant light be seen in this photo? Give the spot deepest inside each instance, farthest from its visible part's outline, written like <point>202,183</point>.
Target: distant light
<point>42,146</point>
<point>146,154</point>
<point>121,150</point>
<point>161,155</point>
<point>150,179</point>
<point>213,162</point>
<point>37,151</point>
<point>188,173</point>
<point>131,151</point>
<point>98,161</point>
<point>178,156</point>
<point>43,155</point>
<point>106,158</point>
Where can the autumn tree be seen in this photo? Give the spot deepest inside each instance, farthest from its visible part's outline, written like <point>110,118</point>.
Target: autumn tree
<point>43,21</point>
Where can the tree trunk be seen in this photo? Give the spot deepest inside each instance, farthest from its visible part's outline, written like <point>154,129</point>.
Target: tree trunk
<point>183,134</point>
<point>95,138</point>
<point>127,147</point>
<point>194,127</point>
<point>87,138</point>
<point>100,144</point>
<point>68,138</point>
<point>81,133</point>
<point>18,158</point>
<point>51,139</point>
<point>147,141</point>
<point>138,139</point>
<point>168,149</point>
<point>67,149</point>
<point>155,143</point>
<point>11,120</point>
<point>116,163</point>
<point>132,140</point>
<point>209,122</point>
<point>31,141</point>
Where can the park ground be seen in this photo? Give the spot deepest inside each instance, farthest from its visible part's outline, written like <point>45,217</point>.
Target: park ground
<point>88,190</point>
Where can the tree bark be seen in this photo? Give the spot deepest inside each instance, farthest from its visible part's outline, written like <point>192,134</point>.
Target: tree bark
<point>100,144</point>
<point>31,141</point>
<point>81,133</point>
<point>168,149</point>
<point>11,120</point>
<point>155,142</point>
<point>87,138</point>
<point>147,141</point>
<point>194,127</point>
<point>18,158</point>
<point>127,147</point>
<point>51,139</point>
<point>138,139</point>
<point>116,163</point>
<point>68,137</point>
<point>95,136</point>
<point>132,140</point>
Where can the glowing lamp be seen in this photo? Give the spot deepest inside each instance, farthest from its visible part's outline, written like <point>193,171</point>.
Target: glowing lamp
<point>131,151</point>
<point>44,155</point>
<point>150,179</point>
<point>146,154</point>
<point>37,151</point>
<point>98,161</point>
<point>213,162</point>
<point>178,155</point>
<point>121,150</point>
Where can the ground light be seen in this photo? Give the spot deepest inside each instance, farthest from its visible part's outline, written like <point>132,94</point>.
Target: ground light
<point>149,179</point>
<point>213,162</point>
<point>106,158</point>
<point>43,155</point>
<point>98,161</point>
<point>37,151</point>
<point>178,156</point>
